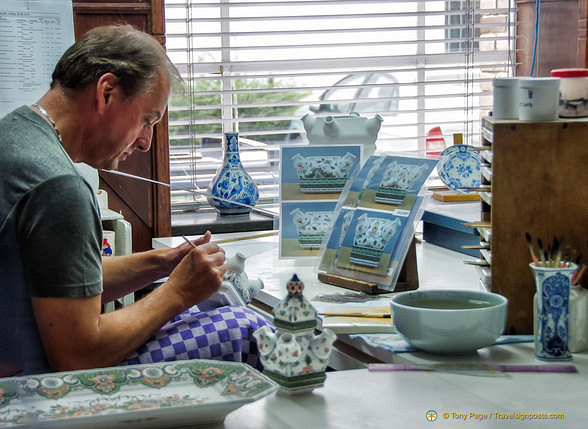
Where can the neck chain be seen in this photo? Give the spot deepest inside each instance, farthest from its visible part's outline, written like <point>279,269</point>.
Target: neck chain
<point>51,121</point>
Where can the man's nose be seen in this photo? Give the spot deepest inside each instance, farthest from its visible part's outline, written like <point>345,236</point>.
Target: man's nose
<point>143,142</point>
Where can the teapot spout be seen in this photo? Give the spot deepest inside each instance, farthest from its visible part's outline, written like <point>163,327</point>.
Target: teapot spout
<point>255,285</point>
<point>321,344</point>
<point>237,263</point>
<point>266,340</point>
<point>330,127</point>
<point>373,124</point>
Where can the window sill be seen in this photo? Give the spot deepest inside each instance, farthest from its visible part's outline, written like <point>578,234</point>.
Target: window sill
<point>195,223</point>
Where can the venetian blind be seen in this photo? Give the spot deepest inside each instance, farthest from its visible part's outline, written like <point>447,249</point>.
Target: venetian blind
<point>256,67</point>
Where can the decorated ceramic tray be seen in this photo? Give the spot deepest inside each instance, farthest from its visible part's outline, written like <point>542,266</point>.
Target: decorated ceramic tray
<point>163,395</point>
<point>459,167</point>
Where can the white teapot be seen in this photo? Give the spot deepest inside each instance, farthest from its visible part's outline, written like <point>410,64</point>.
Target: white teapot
<point>344,129</point>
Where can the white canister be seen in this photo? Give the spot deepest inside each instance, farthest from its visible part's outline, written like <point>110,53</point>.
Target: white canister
<point>539,98</point>
<point>578,319</point>
<point>108,243</point>
<point>506,101</point>
<point>573,92</point>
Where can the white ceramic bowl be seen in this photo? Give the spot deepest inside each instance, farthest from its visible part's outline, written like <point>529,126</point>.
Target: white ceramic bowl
<point>449,321</point>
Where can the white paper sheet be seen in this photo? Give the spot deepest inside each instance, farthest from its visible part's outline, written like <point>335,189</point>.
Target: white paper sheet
<point>33,36</point>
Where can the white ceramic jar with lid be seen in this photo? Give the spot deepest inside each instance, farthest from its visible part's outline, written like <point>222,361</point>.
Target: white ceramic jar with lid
<point>505,102</point>
<point>538,98</point>
<point>573,92</point>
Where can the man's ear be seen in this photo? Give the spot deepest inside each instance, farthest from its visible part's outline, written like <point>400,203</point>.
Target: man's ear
<point>106,87</point>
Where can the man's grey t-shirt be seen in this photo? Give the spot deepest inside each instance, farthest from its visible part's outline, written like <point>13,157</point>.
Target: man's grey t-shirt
<point>50,234</point>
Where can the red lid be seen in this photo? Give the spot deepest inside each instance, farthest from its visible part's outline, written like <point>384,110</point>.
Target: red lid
<point>569,73</point>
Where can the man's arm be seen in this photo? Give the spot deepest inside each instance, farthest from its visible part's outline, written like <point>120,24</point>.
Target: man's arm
<point>76,335</point>
<point>127,273</point>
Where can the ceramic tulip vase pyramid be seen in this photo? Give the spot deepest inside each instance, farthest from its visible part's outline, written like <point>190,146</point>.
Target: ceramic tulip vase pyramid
<point>294,356</point>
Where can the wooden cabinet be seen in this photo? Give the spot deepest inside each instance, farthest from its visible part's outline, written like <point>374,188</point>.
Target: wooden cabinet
<point>538,176</point>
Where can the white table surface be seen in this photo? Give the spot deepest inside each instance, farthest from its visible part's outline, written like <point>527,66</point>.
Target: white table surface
<point>438,268</point>
<point>364,399</point>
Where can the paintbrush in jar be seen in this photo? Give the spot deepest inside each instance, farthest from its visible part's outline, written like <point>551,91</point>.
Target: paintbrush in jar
<point>541,252</point>
<point>532,249</point>
<point>558,249</point>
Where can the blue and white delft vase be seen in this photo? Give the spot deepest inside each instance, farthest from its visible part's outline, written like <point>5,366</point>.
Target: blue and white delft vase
<point>552,312</point>
<point>232,191</point>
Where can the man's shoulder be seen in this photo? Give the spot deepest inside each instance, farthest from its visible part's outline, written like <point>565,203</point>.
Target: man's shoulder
<point>31,151</point>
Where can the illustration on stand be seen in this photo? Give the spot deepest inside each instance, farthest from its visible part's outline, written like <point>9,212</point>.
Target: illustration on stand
<point>322,174</point>
<point>304,225</point>
<point>372,234</point>
<point>363,177</point>
<point>316,172</point>
<point>395,183</point>
<point>369,241</point>
<point>311,227</point>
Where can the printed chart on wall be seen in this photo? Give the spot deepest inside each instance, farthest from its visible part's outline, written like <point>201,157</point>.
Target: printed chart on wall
<point>34,36</point>
<point>312,179</point>
<point>372,230</point>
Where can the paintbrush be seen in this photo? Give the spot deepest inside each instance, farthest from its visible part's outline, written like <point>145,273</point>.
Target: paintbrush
<point>193,191</point>
<point>478,262</point>
<point>373,315</point>
<point>471,368</point>
<point>569,255</point>
<point>481,224</point>
<point>558,248</point>
<point>531,248</point>
<point>245,237</point>
<point>481,188</point>
<point>476,246</point>
<point>189,242</point>
<point>541,254</point>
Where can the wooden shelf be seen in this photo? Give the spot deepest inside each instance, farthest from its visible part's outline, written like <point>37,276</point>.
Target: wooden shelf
<point>539,182</point>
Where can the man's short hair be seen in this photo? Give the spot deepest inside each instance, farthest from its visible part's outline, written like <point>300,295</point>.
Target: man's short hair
<point>135,57</point>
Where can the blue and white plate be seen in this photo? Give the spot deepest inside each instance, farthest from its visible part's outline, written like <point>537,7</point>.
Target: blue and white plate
<point>458,167</point>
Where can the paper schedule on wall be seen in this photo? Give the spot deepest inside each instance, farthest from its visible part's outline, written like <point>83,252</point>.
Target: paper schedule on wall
<point>34,35</point>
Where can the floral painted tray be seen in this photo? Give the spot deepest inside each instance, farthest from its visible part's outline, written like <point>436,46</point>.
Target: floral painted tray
<point>459,167</point>
<point>162,395</point>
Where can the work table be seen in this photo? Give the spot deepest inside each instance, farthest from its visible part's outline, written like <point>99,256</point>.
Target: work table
<point>369,399</point>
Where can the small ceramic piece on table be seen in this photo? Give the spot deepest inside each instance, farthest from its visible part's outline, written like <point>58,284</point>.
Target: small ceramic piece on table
<point>294,356</point>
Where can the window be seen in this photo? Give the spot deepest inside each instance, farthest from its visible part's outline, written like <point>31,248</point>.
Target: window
<point>462,28</point>
<point>257,66</point>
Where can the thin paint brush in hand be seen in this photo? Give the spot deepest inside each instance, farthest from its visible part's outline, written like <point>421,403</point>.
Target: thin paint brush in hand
<point>188,241</point>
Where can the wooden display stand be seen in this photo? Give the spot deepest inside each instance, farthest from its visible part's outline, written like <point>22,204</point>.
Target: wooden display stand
<point>539,185</point>
<point>408,278</point>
